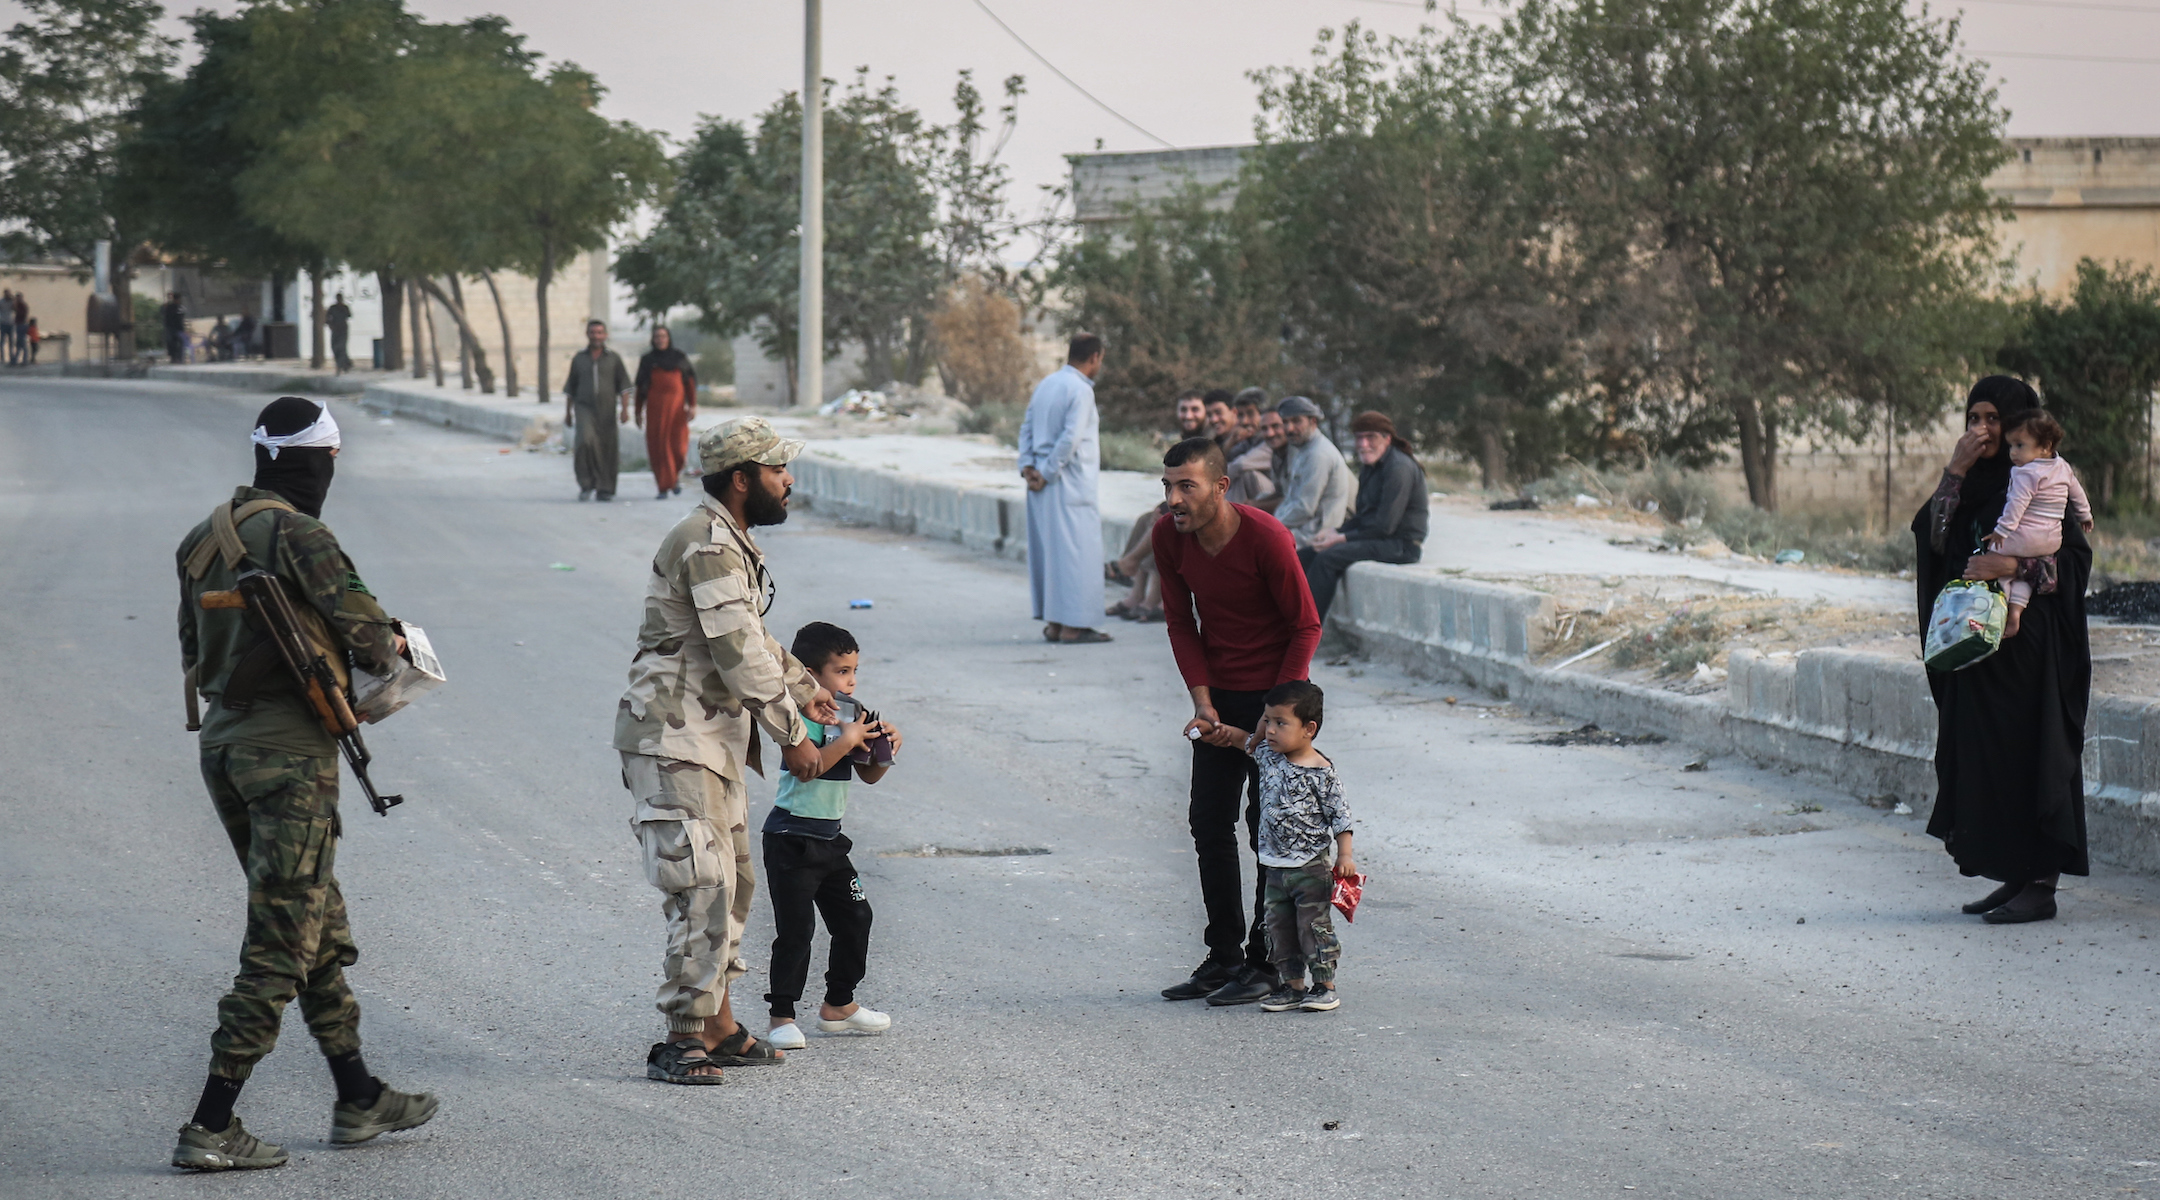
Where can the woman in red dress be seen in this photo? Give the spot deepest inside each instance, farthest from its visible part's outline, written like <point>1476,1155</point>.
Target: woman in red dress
<point>666,402</point>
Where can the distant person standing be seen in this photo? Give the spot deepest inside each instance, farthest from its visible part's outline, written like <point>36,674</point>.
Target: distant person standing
<point>172,318</point>
<point>7,324</point>
<point>1241,623</point>
<point>339,318</point>
<point>1060,457</point>
<point>22,329</point>
<point>666,404</point>
<point>1316,484</point>
<point>243,335</point>
<point>1390,521</point>
<point>598,386</point>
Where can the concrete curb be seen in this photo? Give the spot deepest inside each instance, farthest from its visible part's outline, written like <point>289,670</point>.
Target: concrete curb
<point>1862,722</point>
<point>450,411</point>
<point>299,379</point>
<point>986,520</point>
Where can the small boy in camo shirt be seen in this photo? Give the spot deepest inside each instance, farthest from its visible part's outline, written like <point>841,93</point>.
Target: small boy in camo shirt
<point>1301,812</point>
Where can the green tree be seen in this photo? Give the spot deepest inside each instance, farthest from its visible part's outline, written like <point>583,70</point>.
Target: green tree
<point>726,243</point>
<point>1186,292</point>
<point>69,80</point>
<point>2095,356</point>
<point>1791,178</point>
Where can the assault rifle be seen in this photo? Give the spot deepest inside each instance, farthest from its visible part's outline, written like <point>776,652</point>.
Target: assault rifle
<point>263,595</point>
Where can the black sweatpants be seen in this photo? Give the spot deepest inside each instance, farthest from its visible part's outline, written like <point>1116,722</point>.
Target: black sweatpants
<point>803,874</point>
<point>1221,777</point>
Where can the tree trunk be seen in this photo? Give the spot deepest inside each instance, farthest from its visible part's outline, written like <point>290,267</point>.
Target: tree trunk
<point>468,337</point>
<point>1754,453</point>
<point>1492,458</point>
<point>419,340</point>
<point>315,317</point>
<point>426,291</point>
<point>464,343</point>
<point>547,276</point>
<point>1769,455</point>
<point>393,320</point>
<point>123,285</point>
<point>509,351</point>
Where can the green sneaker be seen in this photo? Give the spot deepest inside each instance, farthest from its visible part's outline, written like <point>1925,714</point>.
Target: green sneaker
<point>351,1124</point>
<point>235,1149</point>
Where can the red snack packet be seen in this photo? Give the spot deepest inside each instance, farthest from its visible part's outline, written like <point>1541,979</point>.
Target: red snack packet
<point>1348,891</point>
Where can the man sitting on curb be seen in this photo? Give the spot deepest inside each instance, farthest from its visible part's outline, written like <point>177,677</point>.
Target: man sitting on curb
<point>1316,484</point>
<point>1390,521</point>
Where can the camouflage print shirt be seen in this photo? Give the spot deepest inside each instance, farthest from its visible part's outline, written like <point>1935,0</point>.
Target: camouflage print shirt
<point>303,552</point>
<point>705,667</point>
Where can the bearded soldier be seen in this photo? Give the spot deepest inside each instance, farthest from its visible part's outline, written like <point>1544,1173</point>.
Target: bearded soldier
<point>272,771</point>
<point>705,678</point>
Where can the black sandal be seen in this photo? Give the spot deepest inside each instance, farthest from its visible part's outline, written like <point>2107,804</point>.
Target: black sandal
<point>672,1062</point>
<point>739,1049</point>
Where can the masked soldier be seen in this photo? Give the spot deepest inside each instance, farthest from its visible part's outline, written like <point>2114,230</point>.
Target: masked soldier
<point>272,771</point>
<point>705,677</point>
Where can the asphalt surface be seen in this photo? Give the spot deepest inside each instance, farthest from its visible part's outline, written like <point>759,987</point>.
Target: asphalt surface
<point>1580,971</point>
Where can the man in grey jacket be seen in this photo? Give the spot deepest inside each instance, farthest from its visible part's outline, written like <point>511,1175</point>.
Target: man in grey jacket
<point>1391,519</point>
<point>1316,483</point>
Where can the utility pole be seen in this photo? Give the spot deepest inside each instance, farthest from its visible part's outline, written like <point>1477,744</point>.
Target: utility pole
<point>810,332</point>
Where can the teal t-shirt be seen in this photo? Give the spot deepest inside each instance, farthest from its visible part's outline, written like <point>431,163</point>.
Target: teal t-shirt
<point>821,799</point>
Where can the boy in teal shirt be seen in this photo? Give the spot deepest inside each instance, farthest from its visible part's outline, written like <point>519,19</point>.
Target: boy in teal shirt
<point>807,871</point>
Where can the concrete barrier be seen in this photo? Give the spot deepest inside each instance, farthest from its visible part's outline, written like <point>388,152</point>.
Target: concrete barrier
<point>452,411</point>
<point>260,377</point>
<point>1864,723</point>
<point>986,520</point>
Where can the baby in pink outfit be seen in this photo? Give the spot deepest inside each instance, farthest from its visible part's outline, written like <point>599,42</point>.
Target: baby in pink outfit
<point>2042,489</point>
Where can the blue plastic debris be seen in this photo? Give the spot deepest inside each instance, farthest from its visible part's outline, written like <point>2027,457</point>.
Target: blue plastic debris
<point>860,604</point>
<point>1791,556</point>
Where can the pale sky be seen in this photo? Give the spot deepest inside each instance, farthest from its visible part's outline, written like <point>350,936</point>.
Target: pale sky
<point>1177,67</point>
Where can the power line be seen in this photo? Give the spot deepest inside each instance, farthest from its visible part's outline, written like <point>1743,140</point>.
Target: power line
<point>1074,84</point>
<point>2095,6</point>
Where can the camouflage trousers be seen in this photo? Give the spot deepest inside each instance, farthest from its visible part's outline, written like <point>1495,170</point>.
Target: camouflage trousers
<point>280,810</point>
<point>1299,902</point>
<point>692,830</point>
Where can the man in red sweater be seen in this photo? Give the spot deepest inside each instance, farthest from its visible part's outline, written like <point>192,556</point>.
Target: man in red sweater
<point>1236,568</point>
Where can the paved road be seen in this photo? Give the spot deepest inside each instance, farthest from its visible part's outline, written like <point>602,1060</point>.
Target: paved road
<point>1580,972</point>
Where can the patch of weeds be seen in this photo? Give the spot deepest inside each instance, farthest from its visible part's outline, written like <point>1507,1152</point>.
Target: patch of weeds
<point>1798,809</point>
<point>1675,646</point>
<point>1131,450</point>
<point>1591,735</point>
<point>1001,421</point>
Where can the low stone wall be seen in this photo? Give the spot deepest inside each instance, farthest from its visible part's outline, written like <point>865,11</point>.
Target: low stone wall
<point>264,378</point>
<point>1865,723</point>
<point>986,520</point>
<point>451,410</point>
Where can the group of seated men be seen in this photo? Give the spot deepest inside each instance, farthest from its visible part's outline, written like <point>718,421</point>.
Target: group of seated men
<point>1280,461</point>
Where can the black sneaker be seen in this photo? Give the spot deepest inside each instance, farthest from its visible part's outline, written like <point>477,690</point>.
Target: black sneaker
<point>1320,999</point>
<point>1205,979</point>
<point>1285,997</point>
<point>1248,985</point>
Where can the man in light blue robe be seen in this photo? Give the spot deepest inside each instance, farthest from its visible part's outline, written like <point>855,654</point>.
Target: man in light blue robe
<point>1060,458</point>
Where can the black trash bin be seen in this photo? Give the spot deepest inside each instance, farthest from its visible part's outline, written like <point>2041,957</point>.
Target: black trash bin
<point>280,339</point>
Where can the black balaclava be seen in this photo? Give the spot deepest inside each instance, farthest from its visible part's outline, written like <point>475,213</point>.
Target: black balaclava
<point>301,474</point>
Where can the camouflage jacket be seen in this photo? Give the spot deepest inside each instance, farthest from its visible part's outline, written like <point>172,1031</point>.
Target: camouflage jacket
<point>304,553</point>
<point>705,667</point>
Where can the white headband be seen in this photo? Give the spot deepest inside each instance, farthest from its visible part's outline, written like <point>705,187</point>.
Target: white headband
<point>324,432</point>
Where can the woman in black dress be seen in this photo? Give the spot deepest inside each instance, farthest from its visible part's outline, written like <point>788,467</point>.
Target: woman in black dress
<point>2010,799</point>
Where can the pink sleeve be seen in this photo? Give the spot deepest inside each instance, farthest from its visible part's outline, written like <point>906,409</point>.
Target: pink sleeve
<point>2080,508</point>
<point>2020,498</point>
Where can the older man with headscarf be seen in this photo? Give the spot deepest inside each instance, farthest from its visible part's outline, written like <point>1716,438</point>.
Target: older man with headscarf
<point>272,771</point>
<point>1390,520</point>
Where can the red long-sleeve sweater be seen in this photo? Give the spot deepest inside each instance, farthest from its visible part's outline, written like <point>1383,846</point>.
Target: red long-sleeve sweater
<point>1257,625</point>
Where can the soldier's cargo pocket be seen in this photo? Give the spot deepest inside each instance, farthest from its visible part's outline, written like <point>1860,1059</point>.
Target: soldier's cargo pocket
<point>723,605</point>
<point>290,852</point>
<point>680,855</point>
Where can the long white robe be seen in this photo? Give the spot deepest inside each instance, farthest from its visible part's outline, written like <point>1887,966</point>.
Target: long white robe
<point>1059,438</point>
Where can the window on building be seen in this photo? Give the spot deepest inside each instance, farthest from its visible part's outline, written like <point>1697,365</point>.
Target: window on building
<point>2028,155</point>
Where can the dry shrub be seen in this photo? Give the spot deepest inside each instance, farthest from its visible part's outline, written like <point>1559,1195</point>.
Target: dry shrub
<point>981,354</point>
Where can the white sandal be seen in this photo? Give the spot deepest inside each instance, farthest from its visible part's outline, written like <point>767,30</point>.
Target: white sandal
<point>862,1020</point>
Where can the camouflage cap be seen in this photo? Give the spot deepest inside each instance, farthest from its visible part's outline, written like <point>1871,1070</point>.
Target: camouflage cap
<point>744,439</point>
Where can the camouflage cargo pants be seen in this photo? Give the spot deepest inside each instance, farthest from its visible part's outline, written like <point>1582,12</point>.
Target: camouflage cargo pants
<point>280,810</point>
<point>692,830</point>
<point>1301,920</point>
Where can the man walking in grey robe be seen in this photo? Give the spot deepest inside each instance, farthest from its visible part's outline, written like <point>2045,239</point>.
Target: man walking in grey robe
<point>598,386</point>
<point>1060,457</point>
<point>1316,483</point>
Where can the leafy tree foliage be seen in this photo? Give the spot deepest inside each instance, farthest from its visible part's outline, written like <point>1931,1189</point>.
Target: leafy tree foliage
<point>2095,357</point>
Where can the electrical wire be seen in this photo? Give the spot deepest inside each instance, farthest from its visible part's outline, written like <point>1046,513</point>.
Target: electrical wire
<point>2091,58</point>
<point>1070,81</point>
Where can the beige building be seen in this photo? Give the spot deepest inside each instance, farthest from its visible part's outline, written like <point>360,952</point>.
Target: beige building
<point>59,303</point>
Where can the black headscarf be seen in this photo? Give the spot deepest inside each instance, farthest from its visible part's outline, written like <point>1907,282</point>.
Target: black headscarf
<point>301,474</point>
<point>2010,799</point>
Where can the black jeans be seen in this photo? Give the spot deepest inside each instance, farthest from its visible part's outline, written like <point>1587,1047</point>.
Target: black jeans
<point>1324,568</point>
<point>804,874</point>
<point>1221,777</point>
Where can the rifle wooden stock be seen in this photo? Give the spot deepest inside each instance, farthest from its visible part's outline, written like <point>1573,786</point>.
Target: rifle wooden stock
<point>223,600</point>
<point>266,600</point>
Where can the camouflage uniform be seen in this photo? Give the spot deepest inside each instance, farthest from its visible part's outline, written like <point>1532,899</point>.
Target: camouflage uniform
<point>705,669</point>
<point>273,776</point>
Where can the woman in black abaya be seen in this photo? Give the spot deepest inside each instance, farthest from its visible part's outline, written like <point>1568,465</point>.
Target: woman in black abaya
<point>2010,798</point>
